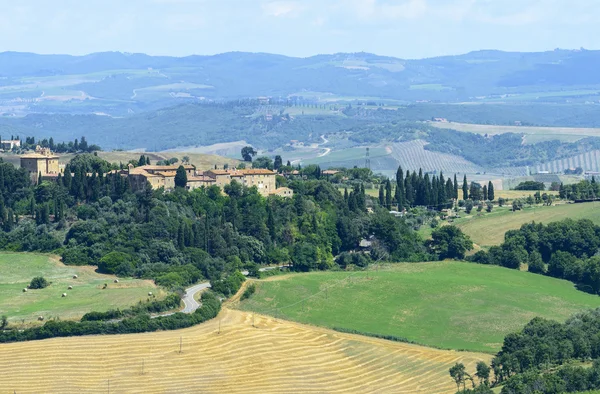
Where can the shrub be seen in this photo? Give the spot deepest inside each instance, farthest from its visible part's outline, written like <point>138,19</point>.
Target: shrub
<point>251,289</point>
<point>38,282</point>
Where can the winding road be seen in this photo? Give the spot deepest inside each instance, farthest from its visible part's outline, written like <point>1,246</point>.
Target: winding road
<point>189,299</point>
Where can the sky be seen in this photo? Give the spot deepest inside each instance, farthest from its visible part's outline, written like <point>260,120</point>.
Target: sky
<point>402,28</point>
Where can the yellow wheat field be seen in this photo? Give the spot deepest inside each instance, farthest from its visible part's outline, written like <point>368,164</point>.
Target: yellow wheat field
<point>275,357</point>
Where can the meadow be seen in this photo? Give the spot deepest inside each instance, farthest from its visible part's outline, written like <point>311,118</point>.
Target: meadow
<point>17,270</point>
<point>234,353</point>
<point>450,305</point>
<point>487,229</point>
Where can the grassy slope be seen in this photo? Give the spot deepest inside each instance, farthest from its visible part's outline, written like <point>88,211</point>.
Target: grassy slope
<point>17,270</point>
<point>488,229</point>
<point>448,304</point>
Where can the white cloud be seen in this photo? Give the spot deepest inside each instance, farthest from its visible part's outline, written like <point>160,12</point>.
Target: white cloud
<point>282,8</point>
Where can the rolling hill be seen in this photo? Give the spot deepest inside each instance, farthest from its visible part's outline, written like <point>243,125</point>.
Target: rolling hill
<point>117,83</point>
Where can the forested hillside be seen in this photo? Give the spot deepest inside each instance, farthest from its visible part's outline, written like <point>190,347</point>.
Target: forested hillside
<point>116,76</point>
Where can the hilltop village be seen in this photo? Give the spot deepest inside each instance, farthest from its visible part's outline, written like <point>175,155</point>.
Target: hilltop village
<point>45,164</point>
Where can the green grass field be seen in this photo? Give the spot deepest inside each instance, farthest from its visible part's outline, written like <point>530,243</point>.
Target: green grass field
<point>447,304</point>
<point>17,270</point>
<point>487,229</point>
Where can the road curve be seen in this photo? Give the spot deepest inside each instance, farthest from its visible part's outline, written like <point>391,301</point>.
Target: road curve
<point>188,299</point>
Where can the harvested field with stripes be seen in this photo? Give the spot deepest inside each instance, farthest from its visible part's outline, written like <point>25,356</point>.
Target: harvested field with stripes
<point>274,357</point>
<point>589,161</point>
<point>412,156</point>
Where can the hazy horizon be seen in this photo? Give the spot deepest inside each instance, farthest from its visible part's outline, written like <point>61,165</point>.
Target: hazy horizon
<point>407,29</point>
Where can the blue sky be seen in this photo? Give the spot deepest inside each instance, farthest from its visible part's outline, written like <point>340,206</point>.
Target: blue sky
<point>401,28</point>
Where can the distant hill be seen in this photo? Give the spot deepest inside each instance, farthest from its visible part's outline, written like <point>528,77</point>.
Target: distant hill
<point>118,83</point>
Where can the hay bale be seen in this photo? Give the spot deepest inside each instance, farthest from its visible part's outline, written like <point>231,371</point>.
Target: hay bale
<point>75,276</point>
<point>150,293</point>
<point>40,318</point>
<point>64,294</point>
<point>25,290</point>
<point>70,287</point>
<point>116,281</point>
<point>105,286</point>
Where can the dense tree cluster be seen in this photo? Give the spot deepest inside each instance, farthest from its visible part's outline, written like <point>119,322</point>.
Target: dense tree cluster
<point>91,217</point>
<point>76,146</point>
<point>566,249</point>
<point>530,185</point>
<point>415,189</point>
<point>567,379</point>
<point>582,191</point>
<point>544,343</point>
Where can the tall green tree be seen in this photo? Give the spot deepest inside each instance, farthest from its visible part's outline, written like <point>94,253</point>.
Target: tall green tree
<point>248,153</point>
<point>381,195</point>
<point>277,163</point>
<point>400,191</point>
<point>388,194</point>
<point>465,188</point>
<point>456,187</point>
<point>181,177</point>
<point>490,191</point>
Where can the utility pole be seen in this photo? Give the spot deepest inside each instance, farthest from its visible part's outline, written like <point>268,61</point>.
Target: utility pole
<point>180,343</point>
<point>253,320</point>
<point>219,326</point>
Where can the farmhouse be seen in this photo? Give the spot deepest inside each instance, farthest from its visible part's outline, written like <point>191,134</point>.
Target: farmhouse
<point>42,161</point>
<point>164,176</point>
<point>10,144</point>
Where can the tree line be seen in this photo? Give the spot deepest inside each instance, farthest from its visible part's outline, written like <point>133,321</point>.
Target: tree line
<point>566,249</point>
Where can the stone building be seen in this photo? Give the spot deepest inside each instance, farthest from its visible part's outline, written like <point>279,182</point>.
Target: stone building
<point>42,161</point>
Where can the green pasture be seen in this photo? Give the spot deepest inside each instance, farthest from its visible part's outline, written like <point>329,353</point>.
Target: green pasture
<point>448,304</point>
<point>17,270</point>
<point>487,229</point>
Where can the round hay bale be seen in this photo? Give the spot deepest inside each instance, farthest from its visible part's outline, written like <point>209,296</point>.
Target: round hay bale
<point>150,293</point>
<point>40,318</point>
<point>70,287</point>
<point>25,290</point>
<point>75,276</point>
<point>116,281</point>
<point>64,294</point>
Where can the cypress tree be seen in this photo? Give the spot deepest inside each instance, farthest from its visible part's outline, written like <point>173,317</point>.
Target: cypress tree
<point>491,195</point>
<point>455,195</point>
<point>465,189</point>
<point>39,180</point>
<point>400,191</point>
<point>434,197</point>
<point>346,194</point>
<point>449,190</point>
<point>485,192</point>
<point>67,177</point>
<point>271,222</point>
<point>381,196</point>
<point>427,192</point>
<point>388,194</point>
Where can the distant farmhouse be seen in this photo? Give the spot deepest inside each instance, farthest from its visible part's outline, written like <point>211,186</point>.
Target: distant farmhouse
<point>164,176</point>
<point>9,144</point>
<point>44,162</point>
